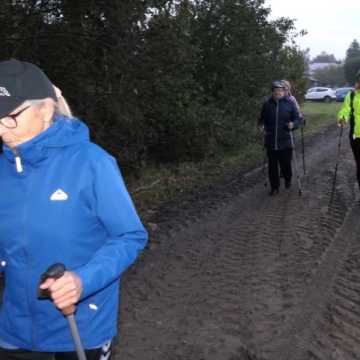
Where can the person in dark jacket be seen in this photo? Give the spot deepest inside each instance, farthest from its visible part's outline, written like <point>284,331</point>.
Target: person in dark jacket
<point>62,200</point>
<point>278,117</point>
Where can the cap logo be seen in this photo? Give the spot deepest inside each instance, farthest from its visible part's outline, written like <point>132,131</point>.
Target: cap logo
<point>4,92</point>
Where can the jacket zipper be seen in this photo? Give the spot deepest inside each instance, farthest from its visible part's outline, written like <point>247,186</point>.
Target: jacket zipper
<point>20,169</point>
<point>276,124</point>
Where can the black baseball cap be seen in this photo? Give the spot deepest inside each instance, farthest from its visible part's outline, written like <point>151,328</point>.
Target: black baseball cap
<point>21,81</point>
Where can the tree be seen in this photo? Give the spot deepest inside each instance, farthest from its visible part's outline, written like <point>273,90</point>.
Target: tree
<point>352,62</point>
<point>293,66</point>
<point>157,80</point>
<point>354,50</point>
<point>351,67</point>
<point>332,76</point>
<point>242,53</point>
<point>170,96</point>
<point>324,58</point>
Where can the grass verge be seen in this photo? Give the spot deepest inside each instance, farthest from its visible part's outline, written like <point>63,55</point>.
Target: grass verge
<point>319,115</point>
<point>167,183</point>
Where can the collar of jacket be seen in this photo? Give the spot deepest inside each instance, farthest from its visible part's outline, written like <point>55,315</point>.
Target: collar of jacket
<point>282,99</point>
<point>61,133</point>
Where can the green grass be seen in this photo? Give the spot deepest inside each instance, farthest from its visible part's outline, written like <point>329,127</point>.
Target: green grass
<point>319,115</point>
<point>164,183</point>
<point>168,182</point>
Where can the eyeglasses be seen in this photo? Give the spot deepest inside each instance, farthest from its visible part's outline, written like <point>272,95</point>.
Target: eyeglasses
<point>10,121</point>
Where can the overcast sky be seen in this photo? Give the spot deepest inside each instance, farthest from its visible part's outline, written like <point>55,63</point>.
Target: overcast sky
<point>331,25</point>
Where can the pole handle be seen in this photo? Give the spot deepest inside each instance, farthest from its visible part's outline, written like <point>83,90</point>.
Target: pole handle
<point>55,271</point>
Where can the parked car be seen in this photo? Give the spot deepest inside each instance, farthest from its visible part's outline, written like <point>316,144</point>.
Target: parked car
<point>320,94</point>
<point>342,92</point>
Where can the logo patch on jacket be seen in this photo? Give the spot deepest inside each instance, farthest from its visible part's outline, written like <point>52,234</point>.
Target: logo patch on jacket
<point>4,91</point>
<point>59,195</point>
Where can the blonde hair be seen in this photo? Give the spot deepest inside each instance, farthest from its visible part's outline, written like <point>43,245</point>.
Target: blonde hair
<point>62,107</point>
<point>287,85</point>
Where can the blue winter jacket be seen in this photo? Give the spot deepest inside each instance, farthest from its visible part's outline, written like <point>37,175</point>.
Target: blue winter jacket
<point>68,205</point>
<point>275,117</point>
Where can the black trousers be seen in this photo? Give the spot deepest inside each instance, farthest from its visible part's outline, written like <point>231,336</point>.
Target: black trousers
<point>355,146</point>
<point>282,159</point>
<point>96,354</point>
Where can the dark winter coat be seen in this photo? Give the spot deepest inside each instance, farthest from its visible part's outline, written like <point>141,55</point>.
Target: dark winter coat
<point>275,116</point>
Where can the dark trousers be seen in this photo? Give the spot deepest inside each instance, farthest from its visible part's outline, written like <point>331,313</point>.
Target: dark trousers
<point>31,355</point>
<point>355,146</point>
<point>282,159</point>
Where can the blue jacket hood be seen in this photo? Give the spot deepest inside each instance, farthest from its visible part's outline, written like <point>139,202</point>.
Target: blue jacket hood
<point>63,132</point>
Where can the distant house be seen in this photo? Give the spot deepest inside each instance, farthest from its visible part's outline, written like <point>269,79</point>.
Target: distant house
<point>312,81</point>
<point>313,67</point>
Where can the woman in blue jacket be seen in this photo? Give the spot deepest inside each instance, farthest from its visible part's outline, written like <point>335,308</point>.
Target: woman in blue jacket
<point>278,117</point>
<point>62,200</point>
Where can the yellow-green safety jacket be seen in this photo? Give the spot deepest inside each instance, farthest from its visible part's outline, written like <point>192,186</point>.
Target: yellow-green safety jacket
<point>345,112</point>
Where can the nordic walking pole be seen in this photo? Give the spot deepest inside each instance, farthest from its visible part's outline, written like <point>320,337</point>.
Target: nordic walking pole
<point>264,166</point>
<point>262,134</point>
<point>336,164</point>
<point>55,272</point>
<point>303,146</point>
<point>295,162</point>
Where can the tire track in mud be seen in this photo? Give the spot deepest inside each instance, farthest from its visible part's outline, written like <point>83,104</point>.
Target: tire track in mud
<point>304,326</point>
<point>299,332</point>
<point>288,270</point>
<point>249,281</point>
<point>337,335</point>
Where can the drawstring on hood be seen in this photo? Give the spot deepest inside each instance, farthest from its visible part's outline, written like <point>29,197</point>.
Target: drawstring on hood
<point>19,167</point>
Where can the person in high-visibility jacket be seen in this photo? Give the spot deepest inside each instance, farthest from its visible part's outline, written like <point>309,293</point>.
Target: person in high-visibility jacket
<point>350,113</point>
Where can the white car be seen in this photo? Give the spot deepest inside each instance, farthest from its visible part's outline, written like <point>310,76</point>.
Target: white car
<point>320,94</point>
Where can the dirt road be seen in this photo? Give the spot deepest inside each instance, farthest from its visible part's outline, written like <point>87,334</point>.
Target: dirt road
<point>241,275</point>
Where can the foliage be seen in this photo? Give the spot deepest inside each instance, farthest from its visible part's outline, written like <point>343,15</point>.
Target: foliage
<point>354,50</point>
<point>352,62</point>
<point>332,76</point>
<point>158,81</point>
<point>324,57</point>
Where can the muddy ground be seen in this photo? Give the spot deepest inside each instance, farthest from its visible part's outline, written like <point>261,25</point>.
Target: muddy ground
<point>233,274</point>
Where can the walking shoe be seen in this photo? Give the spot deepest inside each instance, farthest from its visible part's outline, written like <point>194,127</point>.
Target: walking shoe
<point>274,191</point>
<point>287,184</point>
